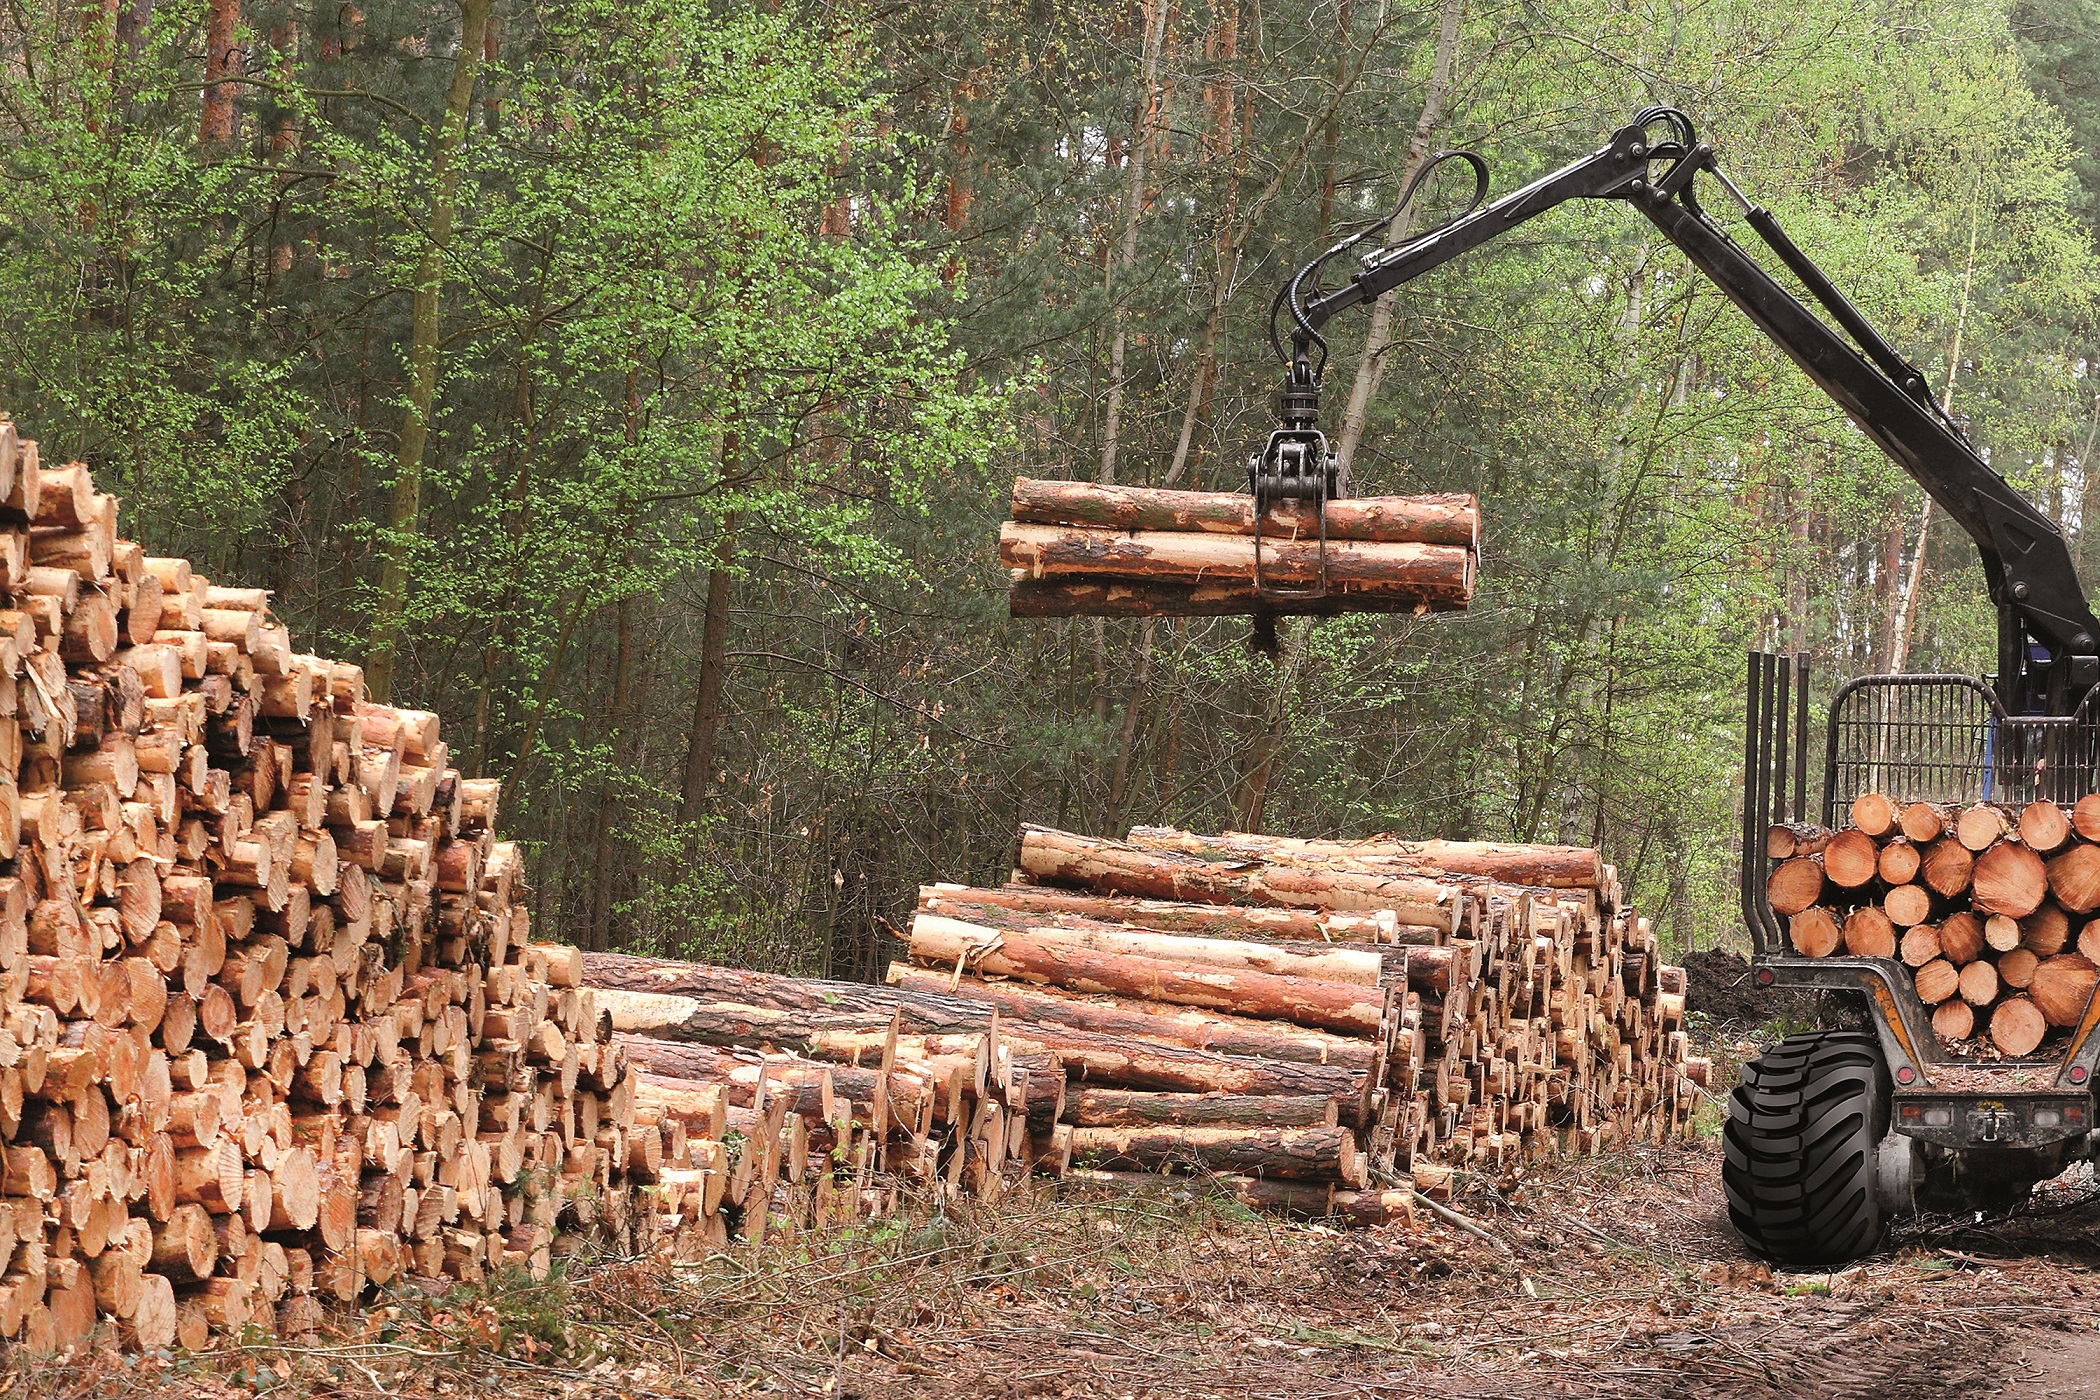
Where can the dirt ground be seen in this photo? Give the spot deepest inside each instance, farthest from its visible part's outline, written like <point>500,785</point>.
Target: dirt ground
<point>1615,1276</point>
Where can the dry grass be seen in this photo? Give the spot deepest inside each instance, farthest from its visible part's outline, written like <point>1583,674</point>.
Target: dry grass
<point>1621,1279</point>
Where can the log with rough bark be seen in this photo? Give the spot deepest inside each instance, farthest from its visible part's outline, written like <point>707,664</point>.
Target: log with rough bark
<point>1547,867</point>
<point>1088,597</point>
<point>1419,573</point>
<point>1320,1154</point>
<point>1361,966</point>
<point>1135,1108</point>
<point>1020,1003</point>
<point>1030,957</point>
<point>1168,916</point>
<point>1058,857</point>
<point>1445,520</point>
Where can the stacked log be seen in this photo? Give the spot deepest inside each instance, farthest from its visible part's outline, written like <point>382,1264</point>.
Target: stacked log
<point>271,1027</point>
<point>1988,907</point>
<point>851,1096</point>
<point>1371,1015</point>
<point>1085,549</point>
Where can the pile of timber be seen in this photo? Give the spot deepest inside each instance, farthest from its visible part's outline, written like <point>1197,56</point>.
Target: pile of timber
<point>271,1029</point>
<point>839,1096</point>
<point>1456,1005</point>
<point>1988,906</point>
<point>1319,1028</point>
<point>1083,549</point>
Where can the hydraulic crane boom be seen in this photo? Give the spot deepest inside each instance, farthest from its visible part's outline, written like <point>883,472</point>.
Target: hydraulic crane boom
<point>2048,637</point>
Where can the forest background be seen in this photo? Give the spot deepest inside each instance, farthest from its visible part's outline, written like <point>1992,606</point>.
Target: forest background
<point>639,382</point>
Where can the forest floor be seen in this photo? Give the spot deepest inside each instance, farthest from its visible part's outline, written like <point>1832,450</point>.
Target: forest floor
<point>1616,1276</point>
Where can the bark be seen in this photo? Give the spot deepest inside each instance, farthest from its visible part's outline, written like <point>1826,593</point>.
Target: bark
<point>1545,867</point>
<point>1370,368</point>
<point>1421,572</point>
<point>1323,1154</point>
<point>1337,1006</point>
<point>600,928</point>
<point>1129,1062</point>
<point>1359,966</point>
<point>707,697</point>
<point>1129,598</point>
<point>1294,1200</point>
<point>1443,520</point>
<point>222,60</point>
<point>664,1016</point>
<point>1149,102</point>
<point>918,1013</point>
<point>405,508</point>
<point>1199,920</point>
<point>1219,1034</point>
<point>1110,866</point>
<point>1134,1108</point>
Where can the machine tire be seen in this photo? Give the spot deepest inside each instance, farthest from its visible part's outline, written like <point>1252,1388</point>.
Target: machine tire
<point>1804,1126</point>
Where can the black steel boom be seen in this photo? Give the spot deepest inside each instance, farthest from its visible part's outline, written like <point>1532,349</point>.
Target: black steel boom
<point>2048,637</point>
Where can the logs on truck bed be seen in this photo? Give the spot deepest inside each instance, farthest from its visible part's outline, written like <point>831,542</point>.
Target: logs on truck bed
<point>1078,548</point>
<point>2004,893</point>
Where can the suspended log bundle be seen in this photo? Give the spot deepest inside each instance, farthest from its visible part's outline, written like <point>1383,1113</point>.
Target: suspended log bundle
<point>1085,549</point>
<point>272,1030</point>
<point>1989,907</point>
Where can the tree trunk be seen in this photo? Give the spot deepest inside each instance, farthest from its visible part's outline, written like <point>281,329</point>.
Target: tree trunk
<point>406,506</point>
<point>707,698</point>
<point>222,58</point>
<point>1422,572</point>
<point>1452,520</point>
<point>600,930</point>
<point>1363,966</point>
<point>1149,102</point>
<point>1371,367</point>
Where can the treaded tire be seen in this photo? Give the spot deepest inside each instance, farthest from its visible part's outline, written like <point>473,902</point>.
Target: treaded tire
<point>1803,1127</point>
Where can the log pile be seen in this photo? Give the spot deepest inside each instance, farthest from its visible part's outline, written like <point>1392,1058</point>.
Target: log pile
<point>1989,907</point>
<point>1082,549</point>
<point>1326,1026</point>
<point>834,1096</point>
<point>271,1028</point>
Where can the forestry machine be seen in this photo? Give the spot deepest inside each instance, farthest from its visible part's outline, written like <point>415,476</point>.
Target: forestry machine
<point>1833,1133</point>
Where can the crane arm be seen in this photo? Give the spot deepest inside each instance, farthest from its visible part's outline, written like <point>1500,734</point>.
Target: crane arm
<point>2048,637</point>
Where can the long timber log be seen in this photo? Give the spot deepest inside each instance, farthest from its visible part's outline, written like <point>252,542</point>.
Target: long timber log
<point>1338,1006</point>
<point>1445,520</point>
<point>1546,867</point>
<point>1059,857</point>
<point>1035,902</point>
<point>1131,1016</point>
<point>1420,572</point>
<point>1361,966</point>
